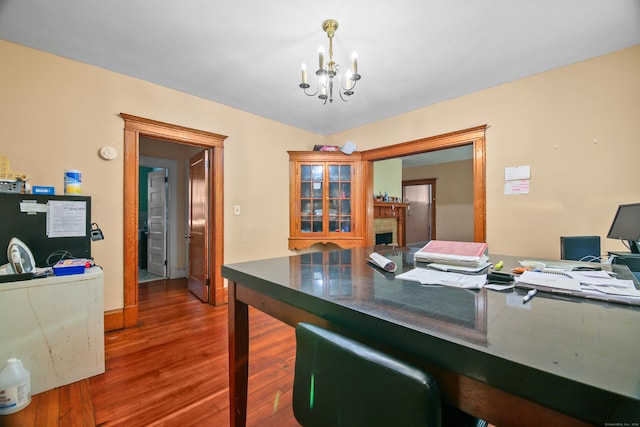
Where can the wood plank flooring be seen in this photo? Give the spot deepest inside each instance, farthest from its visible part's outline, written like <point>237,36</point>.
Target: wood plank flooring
<point>172,370</point>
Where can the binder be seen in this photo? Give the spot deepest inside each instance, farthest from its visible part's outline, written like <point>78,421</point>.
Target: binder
<point>466,254</point>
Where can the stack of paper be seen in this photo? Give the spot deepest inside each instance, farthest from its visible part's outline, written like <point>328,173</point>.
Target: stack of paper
<point>431,277</point>
<point>464,254</point>
<point>590,282</point>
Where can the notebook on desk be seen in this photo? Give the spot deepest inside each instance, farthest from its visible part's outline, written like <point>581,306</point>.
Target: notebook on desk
<point>567,286</point>
<point>555,281</point>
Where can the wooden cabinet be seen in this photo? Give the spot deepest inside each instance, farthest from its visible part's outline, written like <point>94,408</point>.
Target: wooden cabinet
<point>55,325</point>
<point>326,201</point>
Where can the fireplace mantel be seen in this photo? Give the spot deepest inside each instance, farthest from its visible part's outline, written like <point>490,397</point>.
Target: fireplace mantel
<point>384,210</point>
<point>389,209</point>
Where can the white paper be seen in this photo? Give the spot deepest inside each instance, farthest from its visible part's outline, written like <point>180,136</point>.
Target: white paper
<point>32,207</point>
<point>67,218</point>
<point>431,277</point>
<point>458,269</point>
<point>516,187</point>
<point>497,287</point>
<point>517,173</point>
<point>601,281</point>
<point>613,290</point>
<point>382,262</point>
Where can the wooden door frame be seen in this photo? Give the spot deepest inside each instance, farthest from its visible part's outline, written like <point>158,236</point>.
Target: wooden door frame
<point>474,136</point>
<point>135,127</point>
<point>432,202</point>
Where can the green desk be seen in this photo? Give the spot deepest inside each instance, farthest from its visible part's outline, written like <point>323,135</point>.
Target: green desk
<point>552,361</point>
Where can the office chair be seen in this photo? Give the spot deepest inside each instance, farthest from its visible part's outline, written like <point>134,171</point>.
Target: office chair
<point>580,248</point>
<point>342,382</point>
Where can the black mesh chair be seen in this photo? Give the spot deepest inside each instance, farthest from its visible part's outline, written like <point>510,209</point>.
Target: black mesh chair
<point>342,382</point>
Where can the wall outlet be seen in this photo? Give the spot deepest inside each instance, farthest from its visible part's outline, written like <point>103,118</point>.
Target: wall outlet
<point>236,209</point>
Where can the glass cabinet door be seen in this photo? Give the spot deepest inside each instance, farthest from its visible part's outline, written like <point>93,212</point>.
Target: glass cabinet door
<point>339,198</point>
<point>311,198</point>
<point>325,198</point>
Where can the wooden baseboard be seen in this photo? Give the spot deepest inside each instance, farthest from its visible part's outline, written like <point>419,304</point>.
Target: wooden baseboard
<point>221,297</point>
<point>113,320</point>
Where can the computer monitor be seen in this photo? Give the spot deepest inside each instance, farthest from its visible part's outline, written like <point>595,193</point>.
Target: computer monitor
<point>626,226</point>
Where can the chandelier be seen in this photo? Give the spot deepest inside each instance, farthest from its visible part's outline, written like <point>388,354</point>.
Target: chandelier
<point>329,74</point>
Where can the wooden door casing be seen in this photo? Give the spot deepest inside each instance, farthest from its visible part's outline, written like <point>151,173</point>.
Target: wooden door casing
<point>134,128</point>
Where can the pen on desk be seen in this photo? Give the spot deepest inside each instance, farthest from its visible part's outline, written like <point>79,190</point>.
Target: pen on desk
<point>529,295</point>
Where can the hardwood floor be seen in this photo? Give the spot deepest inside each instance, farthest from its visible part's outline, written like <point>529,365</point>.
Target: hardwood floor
<point>172,370</point>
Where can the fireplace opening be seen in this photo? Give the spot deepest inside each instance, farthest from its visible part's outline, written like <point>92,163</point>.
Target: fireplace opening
<point>384,238</point>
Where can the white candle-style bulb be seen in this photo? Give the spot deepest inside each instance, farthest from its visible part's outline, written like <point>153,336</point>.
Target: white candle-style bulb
<point>321,57</point>
<point>347,85</point>
<point>354,62</point>
<point>304,73</point>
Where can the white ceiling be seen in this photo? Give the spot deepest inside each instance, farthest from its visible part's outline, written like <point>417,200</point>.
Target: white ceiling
<point>247,53</point>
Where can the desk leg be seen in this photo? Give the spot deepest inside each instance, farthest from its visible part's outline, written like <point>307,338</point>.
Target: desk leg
<point>238,358</point>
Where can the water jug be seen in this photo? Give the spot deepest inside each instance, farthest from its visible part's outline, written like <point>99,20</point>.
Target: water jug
<point>15,387</point>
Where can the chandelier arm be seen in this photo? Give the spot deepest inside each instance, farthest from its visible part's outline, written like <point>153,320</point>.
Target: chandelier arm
<point>343,98</point>
<point>309,94</point>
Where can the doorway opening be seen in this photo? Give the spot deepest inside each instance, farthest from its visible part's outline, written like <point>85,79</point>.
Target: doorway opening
<point>420,194</point>
<point>155,157</point>
<point>474,137</point>
<point>135,128</point>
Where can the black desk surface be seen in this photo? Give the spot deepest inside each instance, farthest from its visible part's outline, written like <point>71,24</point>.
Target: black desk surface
<point>576,356</point>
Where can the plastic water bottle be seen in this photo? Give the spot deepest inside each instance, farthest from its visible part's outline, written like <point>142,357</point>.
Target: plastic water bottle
<point>15,387</point>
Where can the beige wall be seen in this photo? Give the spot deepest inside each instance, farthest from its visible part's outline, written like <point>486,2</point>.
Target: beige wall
<point>575,126</point>
<point>454,197</point>
<point>56,113</point>
<point>387,177</point>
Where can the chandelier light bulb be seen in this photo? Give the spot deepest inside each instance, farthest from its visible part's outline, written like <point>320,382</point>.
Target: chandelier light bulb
<point>354,62</point>
<point>321,58</point>
<point>348,81</point>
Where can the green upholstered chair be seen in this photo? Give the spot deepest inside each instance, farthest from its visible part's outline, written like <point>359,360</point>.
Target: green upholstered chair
<point>341,382</point>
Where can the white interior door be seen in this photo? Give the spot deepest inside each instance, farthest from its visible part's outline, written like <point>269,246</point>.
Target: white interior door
<point>157,223</point>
